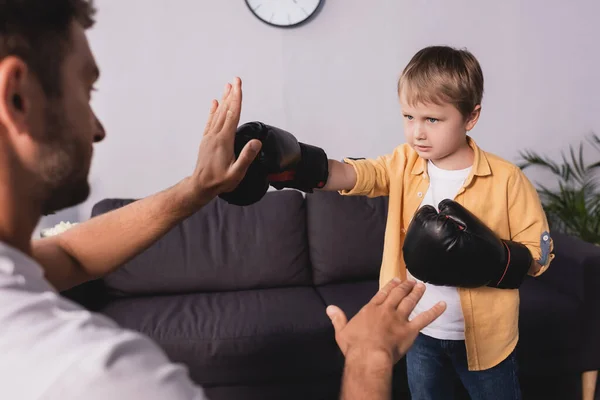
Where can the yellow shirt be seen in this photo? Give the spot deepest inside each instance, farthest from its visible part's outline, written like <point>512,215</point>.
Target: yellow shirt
<point>499,194</point>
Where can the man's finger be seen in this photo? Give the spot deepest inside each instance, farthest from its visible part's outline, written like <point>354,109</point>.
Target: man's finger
<point>245,158</point>
<point>409,302</point>
<point>338,318</point>
<point>211,115</point>
<point>234,108</point>
<point>398,293</point>
<point>383,293</point>
<point>427,317</point>
<point>221,110</point>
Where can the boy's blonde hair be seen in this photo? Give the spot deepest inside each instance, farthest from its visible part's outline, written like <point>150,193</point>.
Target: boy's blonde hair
<point>439,74</point>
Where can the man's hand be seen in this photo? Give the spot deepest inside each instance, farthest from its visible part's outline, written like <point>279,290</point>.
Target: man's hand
<point>378,336</point>
<point>217,169</point>
<point>100,245</point>
<point>382,325</point>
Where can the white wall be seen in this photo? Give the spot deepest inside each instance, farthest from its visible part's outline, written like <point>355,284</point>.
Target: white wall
<point>331,82</point>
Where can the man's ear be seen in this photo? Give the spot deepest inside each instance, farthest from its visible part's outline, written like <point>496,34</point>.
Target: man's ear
<point>473,118</point>
<point>13,94</point>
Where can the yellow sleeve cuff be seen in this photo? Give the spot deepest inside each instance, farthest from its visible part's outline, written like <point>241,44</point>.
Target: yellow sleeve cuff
<point>371,178</point>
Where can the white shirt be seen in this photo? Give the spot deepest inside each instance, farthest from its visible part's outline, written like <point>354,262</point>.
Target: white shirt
<point>444,184</point>
<point>52,348</point>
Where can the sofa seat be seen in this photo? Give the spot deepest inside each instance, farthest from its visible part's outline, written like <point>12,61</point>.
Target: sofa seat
<point>238,338</point>
<point>324,388</point>
<point>238,294</point>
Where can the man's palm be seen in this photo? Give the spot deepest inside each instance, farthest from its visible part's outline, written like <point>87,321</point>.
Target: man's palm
<point>382,325</point>
<point>217,169</point>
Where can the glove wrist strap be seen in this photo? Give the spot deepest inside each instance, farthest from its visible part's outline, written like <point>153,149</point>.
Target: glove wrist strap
<point>518,261</point>
<point>310,173</point>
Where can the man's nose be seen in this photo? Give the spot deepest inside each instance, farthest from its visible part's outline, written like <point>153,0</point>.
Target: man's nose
<point>100,133</point>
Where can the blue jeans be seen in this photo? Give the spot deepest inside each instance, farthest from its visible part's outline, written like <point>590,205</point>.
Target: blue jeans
<point>433,365</point>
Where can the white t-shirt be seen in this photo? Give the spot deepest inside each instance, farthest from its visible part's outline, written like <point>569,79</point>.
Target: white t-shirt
<point>52,348</point>
<point>444,184</point>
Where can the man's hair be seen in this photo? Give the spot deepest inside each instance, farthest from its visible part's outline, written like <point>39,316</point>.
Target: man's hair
<point>38,32</point>
<point>439,74</point>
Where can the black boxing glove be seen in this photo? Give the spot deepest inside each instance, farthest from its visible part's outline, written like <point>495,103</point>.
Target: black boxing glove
<point>293,164</point>
<point>282,162</point>
<point>455,248</point>
<point>254,185</point>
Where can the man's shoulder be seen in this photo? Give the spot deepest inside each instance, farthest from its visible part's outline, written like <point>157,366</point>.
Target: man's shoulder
<point>18,266</point>
<point>62,347</point>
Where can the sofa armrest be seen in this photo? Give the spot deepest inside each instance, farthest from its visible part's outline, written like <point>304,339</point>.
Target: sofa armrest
<point>576,272</point>
<point>591,330</point>
<point>569,271</point>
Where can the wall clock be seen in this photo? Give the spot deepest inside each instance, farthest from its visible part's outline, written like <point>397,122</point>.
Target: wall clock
<point>284,13</point>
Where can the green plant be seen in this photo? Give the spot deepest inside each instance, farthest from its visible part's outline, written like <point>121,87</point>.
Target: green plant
<point>574,207</point>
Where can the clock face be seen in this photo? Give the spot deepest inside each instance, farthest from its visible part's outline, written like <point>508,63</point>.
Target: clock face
<point>284,13</point>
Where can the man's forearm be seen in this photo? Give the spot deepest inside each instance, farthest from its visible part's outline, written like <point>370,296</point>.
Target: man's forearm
<point>101,244</point>
<point>367,377</point>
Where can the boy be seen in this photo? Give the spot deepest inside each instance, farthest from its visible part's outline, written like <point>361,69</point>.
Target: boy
<point>440,93</point>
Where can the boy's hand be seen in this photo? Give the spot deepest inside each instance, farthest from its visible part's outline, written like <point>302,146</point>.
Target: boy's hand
<point>535,268</point>
<point>382,327</point>
<point>283,163</point>
<point>455,248</point>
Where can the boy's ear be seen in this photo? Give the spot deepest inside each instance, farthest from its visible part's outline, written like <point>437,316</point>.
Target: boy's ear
<point>473,118</point>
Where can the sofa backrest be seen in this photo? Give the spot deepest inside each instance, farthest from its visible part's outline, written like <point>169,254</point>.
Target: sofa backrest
<point>222,247</point>
<point>345,236</point>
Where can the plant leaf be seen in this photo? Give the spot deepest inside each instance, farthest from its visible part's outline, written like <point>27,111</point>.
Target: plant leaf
<point>574,207</point>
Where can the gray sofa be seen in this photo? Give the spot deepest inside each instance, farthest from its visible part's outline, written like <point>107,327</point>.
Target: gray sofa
<point>238,294</point>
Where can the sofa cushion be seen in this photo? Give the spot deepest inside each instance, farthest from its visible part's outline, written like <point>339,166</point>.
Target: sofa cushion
<point>238,338</point>
<point>221,247</point>
<point>350,297</point>
<point>345,236</point>
<point>550,327</point>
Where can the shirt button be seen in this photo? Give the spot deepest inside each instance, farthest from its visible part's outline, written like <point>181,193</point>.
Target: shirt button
<point>545,238</point>
<point>420,194</point>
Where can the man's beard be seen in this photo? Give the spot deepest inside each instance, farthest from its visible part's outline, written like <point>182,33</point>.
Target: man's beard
<point>61,163</point>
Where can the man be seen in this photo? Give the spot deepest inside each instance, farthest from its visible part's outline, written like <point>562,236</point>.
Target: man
<point>52,348</point>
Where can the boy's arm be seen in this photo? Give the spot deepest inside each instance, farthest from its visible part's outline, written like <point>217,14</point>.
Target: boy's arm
<point>360,177</point>
<point>368,177</point>
<point>285,162</point>
<point>528,222</point>
<point>342,176</point>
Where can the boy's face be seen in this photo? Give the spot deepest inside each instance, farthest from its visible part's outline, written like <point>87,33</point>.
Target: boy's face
<point>436,131</point>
